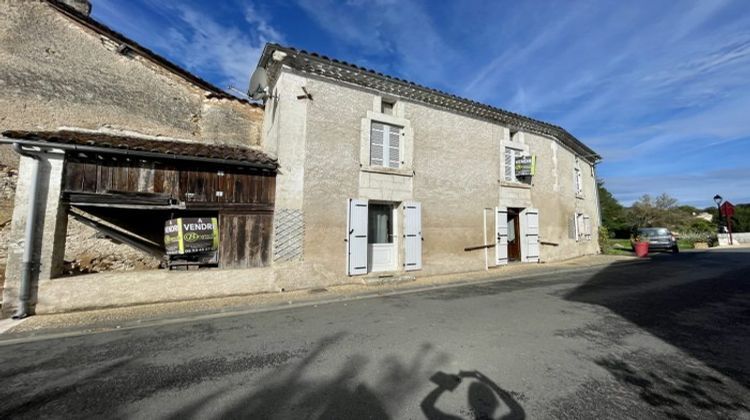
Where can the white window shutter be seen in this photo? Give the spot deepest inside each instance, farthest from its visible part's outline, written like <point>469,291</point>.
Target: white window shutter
<point>532,235</point>
<point>577,226</point>
<point>377,144</point>
<point>356,228</point>
<point>501,238</point>
<point>587,227</point>
<point>394,141</point>
<point>412,236</point>
<point>510,163</point>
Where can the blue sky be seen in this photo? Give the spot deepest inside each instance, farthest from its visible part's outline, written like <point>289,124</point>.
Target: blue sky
<point>660,88</point>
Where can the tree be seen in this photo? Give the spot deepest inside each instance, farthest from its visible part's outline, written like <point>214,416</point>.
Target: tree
<point>661,211</point>
<point>613,213</point>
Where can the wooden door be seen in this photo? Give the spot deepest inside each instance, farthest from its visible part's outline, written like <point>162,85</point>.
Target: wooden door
<point>514,236</point>
<point>245,240</point>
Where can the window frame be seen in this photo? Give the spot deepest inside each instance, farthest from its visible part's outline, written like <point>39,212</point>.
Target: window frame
<point>386,159</point>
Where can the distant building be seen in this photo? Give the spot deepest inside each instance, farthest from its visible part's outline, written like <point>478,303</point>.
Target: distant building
<point>704,215</point>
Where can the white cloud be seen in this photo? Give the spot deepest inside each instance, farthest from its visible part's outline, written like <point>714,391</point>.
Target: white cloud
<point>197,41</point>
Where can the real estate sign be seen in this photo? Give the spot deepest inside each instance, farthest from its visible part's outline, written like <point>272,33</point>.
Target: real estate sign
<point>526,165</point>
<point>187,235</point>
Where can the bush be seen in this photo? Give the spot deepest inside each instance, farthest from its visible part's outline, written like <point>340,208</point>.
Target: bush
<point>693,236</point>
<point>604,243</point>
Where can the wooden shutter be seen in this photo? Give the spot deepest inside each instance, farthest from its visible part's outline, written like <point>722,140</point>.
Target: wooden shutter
<point>587,227</point>
<point>394,141</point>
<point>412,236</point>
<point>501,230</point>
<point>377,144</point>
<point>532,235</point>
<point>356,228</point>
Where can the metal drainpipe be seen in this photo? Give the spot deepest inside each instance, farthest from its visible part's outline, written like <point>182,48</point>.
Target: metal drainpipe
<point>27,262</point>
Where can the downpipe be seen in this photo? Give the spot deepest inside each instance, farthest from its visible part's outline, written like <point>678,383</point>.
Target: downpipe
<point>28,264</point>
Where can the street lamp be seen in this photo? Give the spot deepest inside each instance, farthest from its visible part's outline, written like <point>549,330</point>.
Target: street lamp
<point>717,200</point>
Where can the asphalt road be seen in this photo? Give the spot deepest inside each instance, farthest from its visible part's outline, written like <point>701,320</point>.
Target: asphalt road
<point>666,338</point>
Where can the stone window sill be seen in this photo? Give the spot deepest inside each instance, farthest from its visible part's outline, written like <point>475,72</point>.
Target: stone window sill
<point>388,171</point>
<point>511,184</point>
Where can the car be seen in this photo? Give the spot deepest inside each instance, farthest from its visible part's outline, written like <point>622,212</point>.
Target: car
<point>658,238</point>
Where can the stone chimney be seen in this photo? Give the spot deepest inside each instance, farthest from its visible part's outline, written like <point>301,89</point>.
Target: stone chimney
<point>81,6</point>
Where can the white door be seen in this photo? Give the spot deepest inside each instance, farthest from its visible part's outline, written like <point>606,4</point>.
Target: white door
<point>381,243</point>
<point>531,235</point>
<point>412,236</point>
<point>356,228</point>
<point>501,238</point>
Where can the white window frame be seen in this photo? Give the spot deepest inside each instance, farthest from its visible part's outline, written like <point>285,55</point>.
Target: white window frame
<point>406,149</point>
<point>387,131</point>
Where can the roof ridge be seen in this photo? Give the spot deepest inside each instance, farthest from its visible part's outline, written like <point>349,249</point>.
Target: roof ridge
<point>544,128</point>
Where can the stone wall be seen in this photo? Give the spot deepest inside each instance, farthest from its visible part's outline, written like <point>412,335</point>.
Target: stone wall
<point>738,238</point>
<point>57,72</point>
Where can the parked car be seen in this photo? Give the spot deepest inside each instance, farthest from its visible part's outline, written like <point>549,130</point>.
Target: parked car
<point>659,239</point>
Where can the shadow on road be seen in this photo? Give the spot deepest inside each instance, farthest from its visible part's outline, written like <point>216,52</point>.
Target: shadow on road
<point>296,391</point>
<point>484,397</point>
<point>698,302</point>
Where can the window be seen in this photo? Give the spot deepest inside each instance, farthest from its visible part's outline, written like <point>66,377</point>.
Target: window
<point>386,107</point>
<point>514,164</point>
<point>385,145</point>
<point>582,227</point>
<point>578,181</point>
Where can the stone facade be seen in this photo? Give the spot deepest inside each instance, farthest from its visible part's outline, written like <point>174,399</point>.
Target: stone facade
<point>58,68</point>
<point>451,163</point>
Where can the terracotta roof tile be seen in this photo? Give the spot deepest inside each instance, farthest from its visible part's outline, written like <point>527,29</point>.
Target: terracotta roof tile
<point>185,148</point>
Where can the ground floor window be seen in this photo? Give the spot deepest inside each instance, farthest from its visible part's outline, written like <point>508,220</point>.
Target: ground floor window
<point>383,236</point>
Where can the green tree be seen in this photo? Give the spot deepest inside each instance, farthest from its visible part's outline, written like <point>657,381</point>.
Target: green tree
<point>613,213</point>
<point>661,211</point>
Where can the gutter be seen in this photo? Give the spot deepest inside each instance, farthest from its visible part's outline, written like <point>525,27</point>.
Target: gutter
<point>28,265</point>
<point>135,153</point>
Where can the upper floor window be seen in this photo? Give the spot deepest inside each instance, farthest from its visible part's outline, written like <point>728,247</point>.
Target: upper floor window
<point>578,179</point>
<point>386,107</point>
<point>519,166</point>
<point>385,145</point>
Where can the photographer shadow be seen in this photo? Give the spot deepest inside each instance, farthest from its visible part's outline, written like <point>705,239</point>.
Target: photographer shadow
<point>484,396</point>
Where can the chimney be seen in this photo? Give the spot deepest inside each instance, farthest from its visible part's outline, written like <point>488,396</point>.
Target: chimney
<point>81,6</point>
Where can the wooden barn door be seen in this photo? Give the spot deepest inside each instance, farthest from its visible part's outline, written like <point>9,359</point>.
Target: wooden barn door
<point>245,240</point>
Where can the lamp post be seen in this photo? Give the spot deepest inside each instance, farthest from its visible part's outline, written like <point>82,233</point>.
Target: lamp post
<point>728,213</point>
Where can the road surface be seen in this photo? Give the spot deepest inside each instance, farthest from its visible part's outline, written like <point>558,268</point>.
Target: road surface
<point>666,338</point>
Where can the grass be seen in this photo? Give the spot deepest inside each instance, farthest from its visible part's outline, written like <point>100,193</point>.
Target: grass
<point>619,247</point>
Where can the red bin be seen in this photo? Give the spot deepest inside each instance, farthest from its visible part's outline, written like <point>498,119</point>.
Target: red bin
<point>641,249</point>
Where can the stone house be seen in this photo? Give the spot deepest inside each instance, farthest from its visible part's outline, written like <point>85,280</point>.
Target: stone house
<point>386,178</point>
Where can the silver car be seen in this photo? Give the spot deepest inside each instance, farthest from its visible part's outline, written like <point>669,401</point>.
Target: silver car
<point>659,239</point>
